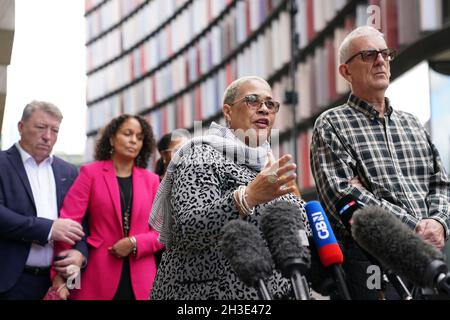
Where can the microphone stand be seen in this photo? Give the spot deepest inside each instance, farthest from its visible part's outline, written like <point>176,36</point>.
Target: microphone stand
<point>298,285</point>
<point>398,285</point>
<point>340,282</point>
<point>262,290</point>
<point>441,289</point>
<point>292,270</point>
<point>444,284</point>
<point>394,279</point>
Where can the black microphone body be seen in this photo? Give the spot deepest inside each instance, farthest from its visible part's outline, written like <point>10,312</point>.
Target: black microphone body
<point>248,254</point>
<point>327,246</point>
<point>339,278</point>
<point>399,248</point>
<point>299,284</point>
<point>346,207</point>
<point>321,278</point>
<point>283,231</point>
<point>263,292</point>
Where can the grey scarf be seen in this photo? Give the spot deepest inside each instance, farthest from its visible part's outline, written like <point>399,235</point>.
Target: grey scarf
<point>224,141</point>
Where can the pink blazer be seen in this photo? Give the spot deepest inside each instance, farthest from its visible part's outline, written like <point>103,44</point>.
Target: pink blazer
<point>95,193</point>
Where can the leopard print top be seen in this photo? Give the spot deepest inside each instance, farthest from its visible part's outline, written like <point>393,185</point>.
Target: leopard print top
<point>194,267</point>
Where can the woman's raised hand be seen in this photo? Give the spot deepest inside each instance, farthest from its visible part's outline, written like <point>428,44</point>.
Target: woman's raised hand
<point>272,182</point>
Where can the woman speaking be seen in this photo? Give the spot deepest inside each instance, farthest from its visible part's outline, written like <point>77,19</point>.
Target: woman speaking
<point>224,175</point>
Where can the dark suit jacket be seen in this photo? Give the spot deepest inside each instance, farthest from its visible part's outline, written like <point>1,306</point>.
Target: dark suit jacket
<point>19,226</point>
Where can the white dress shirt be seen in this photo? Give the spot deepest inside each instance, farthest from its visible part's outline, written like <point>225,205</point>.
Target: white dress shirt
<point>43,187</point>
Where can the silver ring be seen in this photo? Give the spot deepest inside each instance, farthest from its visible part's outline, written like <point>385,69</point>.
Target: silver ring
<point>273,178</point>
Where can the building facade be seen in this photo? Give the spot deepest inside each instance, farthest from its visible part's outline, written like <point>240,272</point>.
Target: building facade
<point>171,60</point>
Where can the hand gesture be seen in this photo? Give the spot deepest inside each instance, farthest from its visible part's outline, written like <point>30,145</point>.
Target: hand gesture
<point>274,181</point>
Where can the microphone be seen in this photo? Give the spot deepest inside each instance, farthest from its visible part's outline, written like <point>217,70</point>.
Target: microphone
<point>330,253</point>
<point>286,237</point>
<point>319,277</point>
<point>346,207</point>
<point>400,249</point>
<point>249,257</point>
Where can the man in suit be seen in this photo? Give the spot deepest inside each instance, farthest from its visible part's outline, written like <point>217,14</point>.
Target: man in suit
<point>33,184</point>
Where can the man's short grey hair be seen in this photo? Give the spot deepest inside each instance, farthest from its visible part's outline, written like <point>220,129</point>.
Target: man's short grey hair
<point>44,106</point>
<point>364,31</point>
<point>232,90</point>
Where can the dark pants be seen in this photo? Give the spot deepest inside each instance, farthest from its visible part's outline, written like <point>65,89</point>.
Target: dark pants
<point>359,280</point>
<point>28,287</point>
<point>125,288</point>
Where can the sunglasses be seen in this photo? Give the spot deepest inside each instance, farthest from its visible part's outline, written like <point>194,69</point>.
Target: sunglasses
<point>372,55</point>
<point>254,102</point>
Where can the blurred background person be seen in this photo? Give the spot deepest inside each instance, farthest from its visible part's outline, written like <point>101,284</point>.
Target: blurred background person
<point>167,146</point>
<point>116,193</point>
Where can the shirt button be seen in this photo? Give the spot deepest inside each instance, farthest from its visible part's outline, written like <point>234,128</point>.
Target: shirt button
<point>411,195</point>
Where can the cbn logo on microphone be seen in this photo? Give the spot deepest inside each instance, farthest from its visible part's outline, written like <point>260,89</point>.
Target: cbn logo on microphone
<point>320,225</point>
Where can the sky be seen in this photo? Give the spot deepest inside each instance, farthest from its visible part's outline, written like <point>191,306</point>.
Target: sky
<point>411,92</point>
<point>48,63</point>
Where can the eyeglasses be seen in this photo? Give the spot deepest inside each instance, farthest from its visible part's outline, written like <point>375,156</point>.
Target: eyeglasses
<point>254,101</point>
<point>372,55</point>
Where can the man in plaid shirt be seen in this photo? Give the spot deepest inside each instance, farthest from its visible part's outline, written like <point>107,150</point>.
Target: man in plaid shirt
<point>381,156</point>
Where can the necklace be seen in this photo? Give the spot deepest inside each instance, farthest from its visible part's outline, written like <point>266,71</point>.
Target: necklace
<point>127,212</point>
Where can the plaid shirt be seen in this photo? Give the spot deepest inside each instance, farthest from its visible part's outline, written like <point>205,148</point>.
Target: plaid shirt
<point>393,157</point>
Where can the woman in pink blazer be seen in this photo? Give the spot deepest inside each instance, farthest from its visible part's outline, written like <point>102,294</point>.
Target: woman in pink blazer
<point>116,193</point>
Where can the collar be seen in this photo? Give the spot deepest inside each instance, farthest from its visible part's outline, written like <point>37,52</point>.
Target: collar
<point>366,108</point>
<point>224,139</point>
<point>25,156</point>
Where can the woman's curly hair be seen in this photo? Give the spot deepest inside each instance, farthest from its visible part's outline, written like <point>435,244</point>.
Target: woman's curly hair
<point>103,148</point>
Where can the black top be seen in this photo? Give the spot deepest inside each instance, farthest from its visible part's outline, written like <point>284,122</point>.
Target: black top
<point>126,195</point>
<point>125,288</point>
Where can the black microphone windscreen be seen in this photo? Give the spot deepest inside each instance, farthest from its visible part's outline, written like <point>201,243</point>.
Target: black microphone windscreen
<point>243,245</point>
<point>395,245</point>
<point>285,234</point>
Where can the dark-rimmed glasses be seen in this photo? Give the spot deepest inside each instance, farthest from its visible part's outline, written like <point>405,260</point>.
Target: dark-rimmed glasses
<point>255,101</point>
<point>372,55</point>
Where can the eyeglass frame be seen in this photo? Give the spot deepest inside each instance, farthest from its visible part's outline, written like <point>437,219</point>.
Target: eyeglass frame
<point>391,56</point>
<point>260,101</point>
